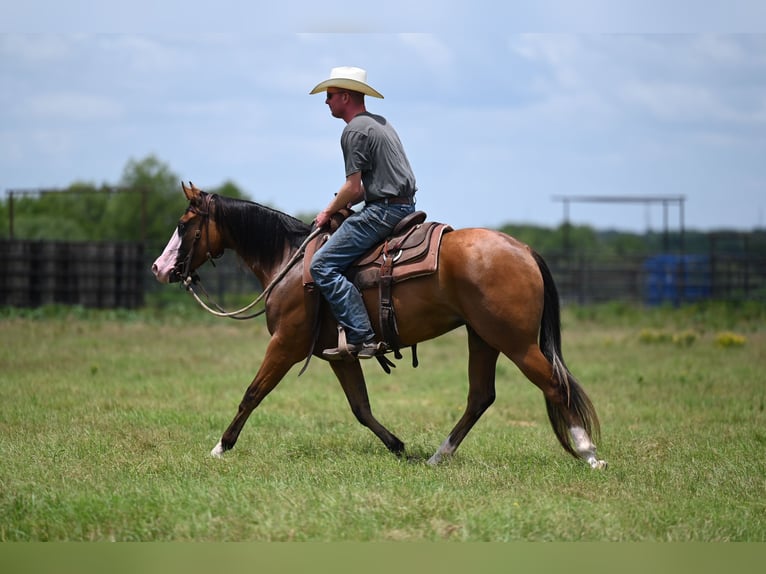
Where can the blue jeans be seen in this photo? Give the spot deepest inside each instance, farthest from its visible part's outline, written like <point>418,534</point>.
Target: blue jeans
<point>359,233</point>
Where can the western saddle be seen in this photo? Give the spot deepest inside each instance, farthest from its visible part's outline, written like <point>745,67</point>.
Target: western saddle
<point>411,251</point>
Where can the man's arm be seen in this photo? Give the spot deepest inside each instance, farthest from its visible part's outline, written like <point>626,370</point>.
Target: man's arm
<point>350,193</point>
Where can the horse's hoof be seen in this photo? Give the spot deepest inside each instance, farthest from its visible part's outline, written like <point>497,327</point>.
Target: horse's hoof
<point>217,451</point>
<point>436,459</point>
<point>598,464</point>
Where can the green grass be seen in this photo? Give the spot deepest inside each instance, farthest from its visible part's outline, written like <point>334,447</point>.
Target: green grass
<point>107,419</point>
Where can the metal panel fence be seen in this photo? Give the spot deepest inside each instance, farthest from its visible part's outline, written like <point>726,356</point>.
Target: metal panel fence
<point>660,279</point>
<point>106,275</point>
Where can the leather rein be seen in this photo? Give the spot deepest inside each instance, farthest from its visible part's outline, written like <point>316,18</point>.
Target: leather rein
<point>190,279</point>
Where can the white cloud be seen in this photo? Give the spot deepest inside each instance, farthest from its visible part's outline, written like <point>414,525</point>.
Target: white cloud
<point>672,102</point>
<point>35,48</point>
<point>433,52</point>
<point>513,119</point>
<point>71,106</point>
<point>143,54</point>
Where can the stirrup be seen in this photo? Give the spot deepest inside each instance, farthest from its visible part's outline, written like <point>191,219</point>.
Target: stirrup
<point>344,351</point>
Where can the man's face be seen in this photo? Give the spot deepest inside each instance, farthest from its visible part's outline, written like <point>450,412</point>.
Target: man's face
<point>337,100</point>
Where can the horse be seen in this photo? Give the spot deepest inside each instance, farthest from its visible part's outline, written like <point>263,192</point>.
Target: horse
<point>498,288</point>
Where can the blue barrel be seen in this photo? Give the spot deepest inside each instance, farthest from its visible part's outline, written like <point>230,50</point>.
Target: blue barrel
<point>677,279</point>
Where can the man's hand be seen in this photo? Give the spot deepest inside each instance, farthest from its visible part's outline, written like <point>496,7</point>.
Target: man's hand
<point>350,193</point>
<point>322,218</point>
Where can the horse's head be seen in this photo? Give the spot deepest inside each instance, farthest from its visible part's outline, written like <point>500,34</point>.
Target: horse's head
<point>195,240</point>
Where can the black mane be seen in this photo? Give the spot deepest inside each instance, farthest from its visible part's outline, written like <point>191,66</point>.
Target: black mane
<point>260,232</point>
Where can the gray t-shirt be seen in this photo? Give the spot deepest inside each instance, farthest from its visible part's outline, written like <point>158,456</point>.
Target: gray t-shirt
<point>371,145</point>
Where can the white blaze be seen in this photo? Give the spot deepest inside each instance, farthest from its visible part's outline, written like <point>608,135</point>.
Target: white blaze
<point>164,264</point>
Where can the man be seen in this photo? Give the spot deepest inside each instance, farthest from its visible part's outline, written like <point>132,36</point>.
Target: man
<point>378,173</point>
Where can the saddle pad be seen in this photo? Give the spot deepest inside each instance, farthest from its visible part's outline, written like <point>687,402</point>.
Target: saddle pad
<point>415,253</point>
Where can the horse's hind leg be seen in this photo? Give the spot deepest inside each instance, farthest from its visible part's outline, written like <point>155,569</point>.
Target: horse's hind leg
<point>351,378</point>
<point>569,409</point>
<point>481,393</point>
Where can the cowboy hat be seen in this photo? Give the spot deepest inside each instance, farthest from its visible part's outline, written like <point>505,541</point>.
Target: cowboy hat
<point>348,78</point>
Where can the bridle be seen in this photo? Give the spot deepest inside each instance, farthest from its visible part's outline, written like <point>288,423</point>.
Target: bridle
<point>185,274</point>
<point>190,279</point>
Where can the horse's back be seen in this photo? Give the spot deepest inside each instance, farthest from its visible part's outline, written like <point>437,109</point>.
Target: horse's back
<point>480,254</point>
<point>484,277</point>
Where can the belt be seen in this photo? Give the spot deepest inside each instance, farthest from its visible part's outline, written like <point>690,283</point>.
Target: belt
<point>395,200</point>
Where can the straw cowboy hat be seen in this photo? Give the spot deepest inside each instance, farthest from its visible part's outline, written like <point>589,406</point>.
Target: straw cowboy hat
<point>347,78</point>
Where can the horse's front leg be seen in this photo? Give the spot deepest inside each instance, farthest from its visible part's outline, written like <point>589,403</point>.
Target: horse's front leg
<point>279,358</point>
<point>351,378</point>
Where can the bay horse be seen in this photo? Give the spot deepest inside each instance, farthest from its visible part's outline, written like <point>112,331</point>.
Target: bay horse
<point>498,288</point>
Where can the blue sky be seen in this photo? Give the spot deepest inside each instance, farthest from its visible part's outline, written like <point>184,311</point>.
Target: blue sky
<point>496,122</point>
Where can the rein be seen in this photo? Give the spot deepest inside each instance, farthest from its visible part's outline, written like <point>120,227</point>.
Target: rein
<point>191,279</point>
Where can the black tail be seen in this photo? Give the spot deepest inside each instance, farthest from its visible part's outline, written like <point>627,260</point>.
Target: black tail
<point>577,402</point>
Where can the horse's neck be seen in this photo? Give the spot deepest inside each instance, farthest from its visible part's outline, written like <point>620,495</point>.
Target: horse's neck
<point>266,272</point>
<point>266,255</point>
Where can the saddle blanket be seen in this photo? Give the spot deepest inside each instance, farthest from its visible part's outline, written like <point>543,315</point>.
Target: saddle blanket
<point>414,249</point>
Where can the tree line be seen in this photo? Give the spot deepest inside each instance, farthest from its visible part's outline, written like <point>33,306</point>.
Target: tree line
<point>146,202</point>
<point>143,206</point>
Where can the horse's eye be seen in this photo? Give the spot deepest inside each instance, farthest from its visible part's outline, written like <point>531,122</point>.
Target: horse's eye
<point>181,227</point>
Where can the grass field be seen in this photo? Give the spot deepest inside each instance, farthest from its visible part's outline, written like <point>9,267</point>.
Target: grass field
<point>107,419</point>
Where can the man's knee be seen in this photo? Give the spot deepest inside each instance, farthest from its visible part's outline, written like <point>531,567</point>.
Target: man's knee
<point>319,268</point>
<point>316,268</point>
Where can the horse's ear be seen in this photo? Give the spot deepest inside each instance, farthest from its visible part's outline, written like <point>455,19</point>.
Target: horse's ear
<point>191,192</point>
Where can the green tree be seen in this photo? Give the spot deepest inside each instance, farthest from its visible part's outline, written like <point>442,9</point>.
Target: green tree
<point>229,189</point>
<point>144,205</point>
<point>147,203</point>
<point>87,205</point>
<point>55,215</point>
<point>547,240</point>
